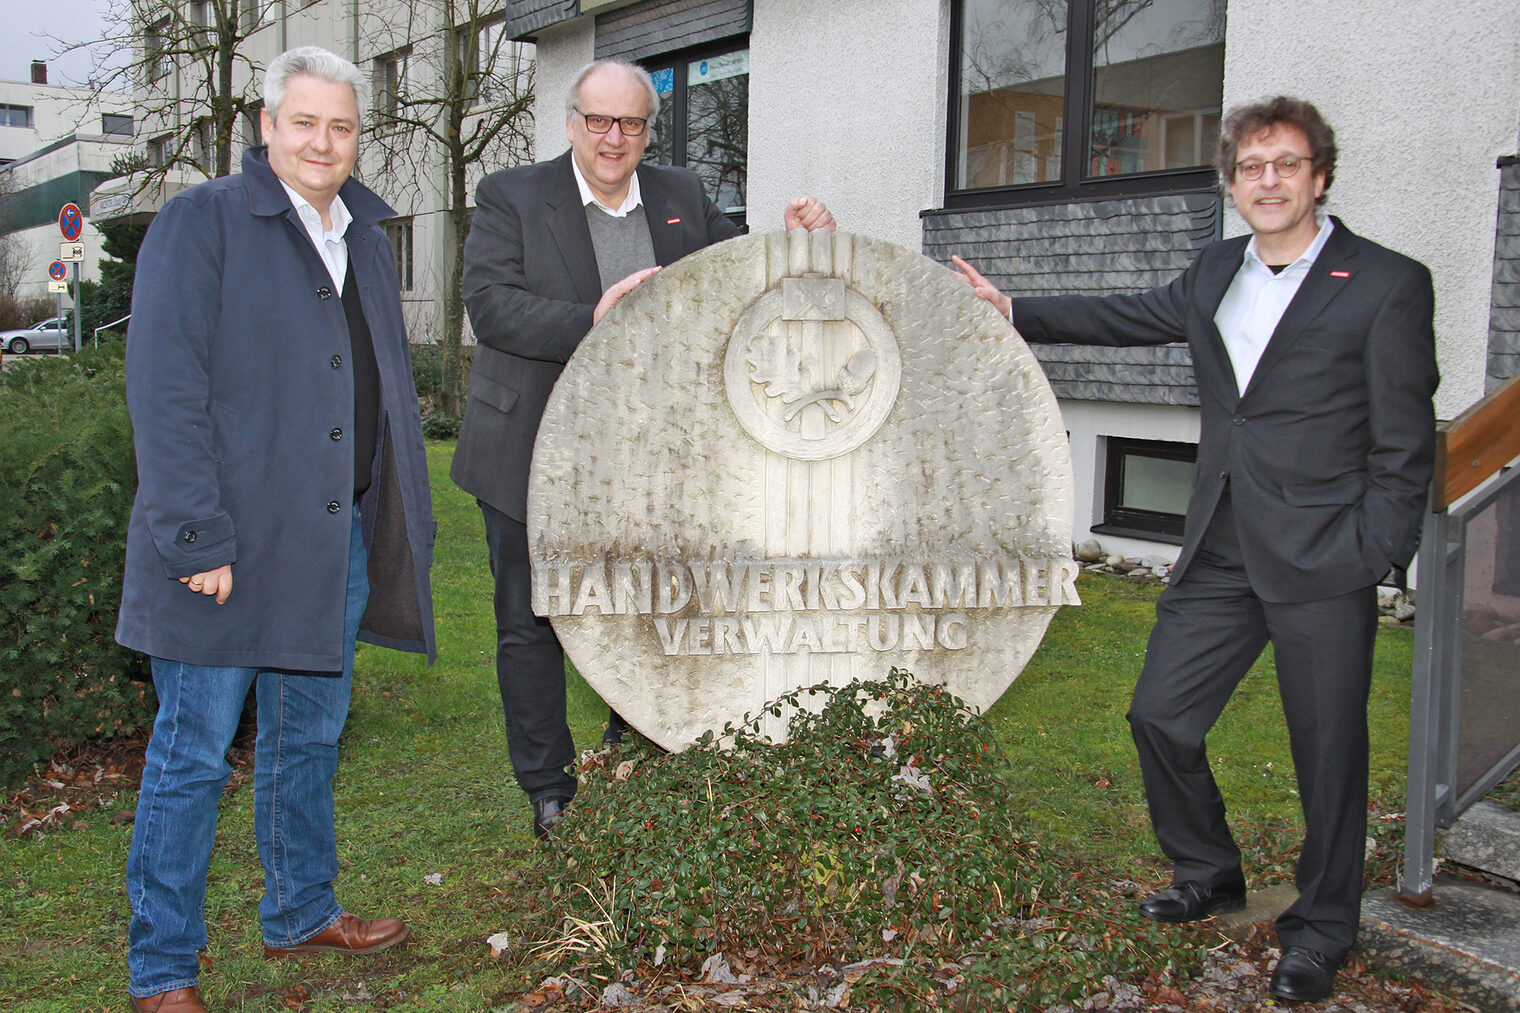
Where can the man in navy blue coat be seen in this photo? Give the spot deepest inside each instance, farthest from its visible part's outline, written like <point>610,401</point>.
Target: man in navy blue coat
<point>1314,351</point>
<point>282,512</point>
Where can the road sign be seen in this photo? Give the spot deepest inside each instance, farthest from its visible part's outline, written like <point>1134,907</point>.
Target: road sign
<point>58,287</point>
<point>71,253</point>
<point>57,271</point>
<point>70,222</point>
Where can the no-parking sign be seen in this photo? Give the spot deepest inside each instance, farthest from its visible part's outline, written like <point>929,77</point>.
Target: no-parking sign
<point>70,222</point>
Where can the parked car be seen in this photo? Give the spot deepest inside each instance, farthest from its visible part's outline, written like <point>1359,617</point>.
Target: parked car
<point>49,335</point>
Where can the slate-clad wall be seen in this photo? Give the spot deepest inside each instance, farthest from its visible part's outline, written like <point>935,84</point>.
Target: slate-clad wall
<point>663,26</point>
<point>1504,315</point>
<point>1091,248</point>
<point>524,17</point>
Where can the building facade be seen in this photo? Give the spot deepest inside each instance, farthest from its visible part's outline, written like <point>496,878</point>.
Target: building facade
<point>56,145</point>
<point>409,49</point>
<point>1063,146</point>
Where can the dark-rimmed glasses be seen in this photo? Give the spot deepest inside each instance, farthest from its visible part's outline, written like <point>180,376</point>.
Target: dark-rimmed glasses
<point>1252,168</point>
<point>631,126</point>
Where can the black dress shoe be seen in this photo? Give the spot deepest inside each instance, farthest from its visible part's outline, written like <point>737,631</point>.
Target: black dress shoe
<point>547,812</point>
<point>616,726</point>
<point>1189,902</point>
<point>1303,975</point>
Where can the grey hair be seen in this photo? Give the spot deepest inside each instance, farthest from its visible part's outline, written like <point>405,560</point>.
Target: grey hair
<point>573,95</point>
<point>316,62</point>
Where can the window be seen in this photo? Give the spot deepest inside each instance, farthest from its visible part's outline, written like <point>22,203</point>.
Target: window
<point>250,14</point>
<point>1146,487</point>
<point>704,123</point>
<point>253,130</point>
<point>494,66</point>
<point>399,232</point>
<point>201,18</point>
<point>15,116</point>
<point>155,49</point>
<point>161,151</point>
<point>115,125</point>
<point>198,147</point>
<point>390,82</point>
<point>1065,99</point>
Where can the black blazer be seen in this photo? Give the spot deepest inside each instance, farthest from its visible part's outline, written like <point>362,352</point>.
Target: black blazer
<point>1329,450</point>
<point>530,285</point>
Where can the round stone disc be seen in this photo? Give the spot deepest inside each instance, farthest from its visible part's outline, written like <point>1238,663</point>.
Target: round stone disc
<point>793,459</point>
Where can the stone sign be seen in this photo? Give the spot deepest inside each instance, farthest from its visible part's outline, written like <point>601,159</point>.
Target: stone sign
<point>798,459</point>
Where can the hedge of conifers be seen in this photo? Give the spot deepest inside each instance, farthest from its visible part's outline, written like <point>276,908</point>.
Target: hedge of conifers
<point>66,482</point>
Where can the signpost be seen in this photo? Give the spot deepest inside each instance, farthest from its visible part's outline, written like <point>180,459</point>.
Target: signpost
<point>71,224</point>
<point>57,286</point>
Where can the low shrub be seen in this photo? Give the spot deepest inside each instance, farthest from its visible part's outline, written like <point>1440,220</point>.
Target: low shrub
<point>879,831</point>
<point>427,370</point>
<point>429,374</point>
<point>67,475</point>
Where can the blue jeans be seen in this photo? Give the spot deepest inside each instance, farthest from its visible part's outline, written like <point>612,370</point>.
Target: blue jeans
<point>300,715</point>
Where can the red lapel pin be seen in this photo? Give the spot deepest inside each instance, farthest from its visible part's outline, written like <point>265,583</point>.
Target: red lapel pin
<point>1340,274</point>
<point>672,221</point>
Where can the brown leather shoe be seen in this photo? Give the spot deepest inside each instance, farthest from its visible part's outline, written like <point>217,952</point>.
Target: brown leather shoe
<point>176,1000</point>
<point>348,935</point>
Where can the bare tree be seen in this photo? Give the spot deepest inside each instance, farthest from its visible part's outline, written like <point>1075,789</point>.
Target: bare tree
<point>12,259</point>
<point>453,99</point>
<point>193,72</point>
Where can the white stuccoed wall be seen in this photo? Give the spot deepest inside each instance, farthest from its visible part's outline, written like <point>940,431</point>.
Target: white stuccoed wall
<point>562,50</point>
<point>1424,96</point>
<point>847,104</point>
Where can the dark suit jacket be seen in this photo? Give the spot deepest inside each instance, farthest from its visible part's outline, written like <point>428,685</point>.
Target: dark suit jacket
<point>530,285</point>
<point>1329,451</point>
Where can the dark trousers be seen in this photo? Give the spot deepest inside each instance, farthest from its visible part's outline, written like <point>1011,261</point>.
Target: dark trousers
<point>1210,627</point>
<point>530,668</point>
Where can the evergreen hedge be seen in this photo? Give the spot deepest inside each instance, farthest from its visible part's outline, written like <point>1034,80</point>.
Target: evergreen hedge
<point>67,476</point>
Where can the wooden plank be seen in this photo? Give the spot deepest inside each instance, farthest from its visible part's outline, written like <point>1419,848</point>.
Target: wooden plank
<point>1476,444</point>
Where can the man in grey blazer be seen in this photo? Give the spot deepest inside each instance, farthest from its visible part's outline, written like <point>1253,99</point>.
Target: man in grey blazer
<point>552,248</point>
<point>1315,360</point>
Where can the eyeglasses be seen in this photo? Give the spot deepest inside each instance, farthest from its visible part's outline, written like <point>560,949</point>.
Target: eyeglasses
<point>631,126</point>
<point>1286,166</point>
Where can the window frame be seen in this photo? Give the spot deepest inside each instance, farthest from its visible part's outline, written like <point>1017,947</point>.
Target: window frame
<point>387,97</point>
<point>29,113</point>
<point>1071,188</point>
<point>401,232</point>
<point>130,125</point>
<point>155,48</point>
<point>487,55</point>
<point>161,151</point>
<point>1132,522</point>
<point>680,111</point>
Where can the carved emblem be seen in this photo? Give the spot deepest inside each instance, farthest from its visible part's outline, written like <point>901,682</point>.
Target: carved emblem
<point>812,370</point>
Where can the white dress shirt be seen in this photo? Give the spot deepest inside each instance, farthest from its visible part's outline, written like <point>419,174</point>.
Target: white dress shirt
<point>633,200</point>
<point>330,244</point>
<point>1255,302</point>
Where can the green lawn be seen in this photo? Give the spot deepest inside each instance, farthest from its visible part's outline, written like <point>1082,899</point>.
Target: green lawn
<point>425,788</point>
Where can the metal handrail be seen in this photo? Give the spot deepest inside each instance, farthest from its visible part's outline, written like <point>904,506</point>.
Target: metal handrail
<point>95,338</point>
<point>1471,451</point>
